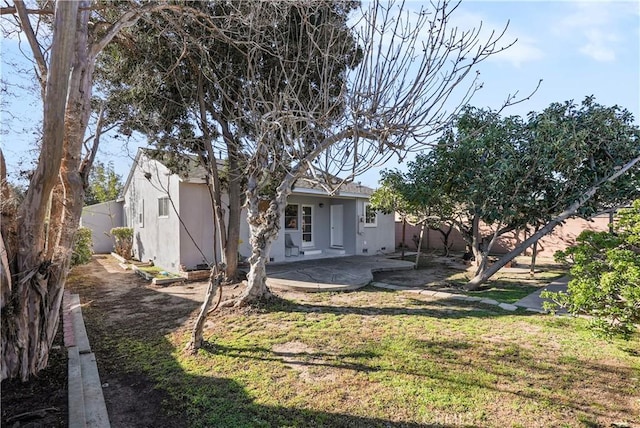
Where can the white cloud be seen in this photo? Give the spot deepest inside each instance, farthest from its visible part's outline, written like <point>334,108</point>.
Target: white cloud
<point>599,45</point>
<point>594,28</point>
<point>524,50</point>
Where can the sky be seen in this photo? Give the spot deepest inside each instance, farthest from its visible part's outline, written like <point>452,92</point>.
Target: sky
<point>576,48</point>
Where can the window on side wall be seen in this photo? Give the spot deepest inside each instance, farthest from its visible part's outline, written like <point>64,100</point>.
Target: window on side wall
<point>370,216</point>
<point>141,213</point>
<point>291,217</point>
<point>163,207</point>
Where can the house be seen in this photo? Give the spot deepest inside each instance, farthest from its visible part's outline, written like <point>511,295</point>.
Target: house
<point>172,219</point>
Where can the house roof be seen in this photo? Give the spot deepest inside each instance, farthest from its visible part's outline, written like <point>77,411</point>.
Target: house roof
<point>194,172</point>
<point>345,189</point>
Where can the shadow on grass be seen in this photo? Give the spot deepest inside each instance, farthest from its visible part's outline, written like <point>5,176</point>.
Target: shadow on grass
<point>149,380</point>
<point>439,308</point>
<point>146,385</point>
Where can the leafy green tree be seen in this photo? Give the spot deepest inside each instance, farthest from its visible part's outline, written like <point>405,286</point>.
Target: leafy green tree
<point>104,184</point>
<point>605,271</point>
<point>511,174</point>
<point>476,173</point>
<point>586,158</point>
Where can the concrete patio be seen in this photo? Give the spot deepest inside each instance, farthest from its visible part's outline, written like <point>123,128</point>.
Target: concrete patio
<point>331,274</point>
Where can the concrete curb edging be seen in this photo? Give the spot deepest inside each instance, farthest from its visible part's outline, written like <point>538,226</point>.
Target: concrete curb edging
<point>85,399</point>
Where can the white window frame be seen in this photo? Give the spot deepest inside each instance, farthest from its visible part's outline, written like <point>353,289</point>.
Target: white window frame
<point>164,200</point>
<point>307,244</point>
<point>375,216</point>
<point>290,217</point>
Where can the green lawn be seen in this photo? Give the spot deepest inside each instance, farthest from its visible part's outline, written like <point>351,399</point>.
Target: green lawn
<point>389,359</point>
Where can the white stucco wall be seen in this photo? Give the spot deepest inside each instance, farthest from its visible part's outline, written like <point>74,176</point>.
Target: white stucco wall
<point>101,218</point>
<point>154,238</point>
<point>374,239</point>
<point>196,232</point>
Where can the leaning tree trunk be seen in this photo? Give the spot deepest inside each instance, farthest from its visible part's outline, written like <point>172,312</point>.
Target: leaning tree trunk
<point>571,210</point>
<point>197,334</point>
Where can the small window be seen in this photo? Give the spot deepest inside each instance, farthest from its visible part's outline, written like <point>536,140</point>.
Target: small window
<point>370,216</point>
<point>291,217</point>
<point>141,213</point>
<point>163,207</point>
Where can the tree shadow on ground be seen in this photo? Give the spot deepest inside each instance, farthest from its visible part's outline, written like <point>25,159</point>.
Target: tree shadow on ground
<point>144,385</point>
<point>148,386</point>
<point>451,308</point>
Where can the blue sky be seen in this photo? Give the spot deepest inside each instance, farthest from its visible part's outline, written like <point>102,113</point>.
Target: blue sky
<point>576,48</point>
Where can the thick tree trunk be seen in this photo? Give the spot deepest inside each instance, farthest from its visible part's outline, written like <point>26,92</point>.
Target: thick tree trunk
<point>571,210</point>
<point>479,253</point>
<point>264,225</point>
<point>49,215</point>
<point>235,198</point>
<point>30,315</point>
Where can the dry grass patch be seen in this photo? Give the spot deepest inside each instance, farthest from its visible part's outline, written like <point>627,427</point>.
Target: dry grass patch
<point>370,358</point>
<point>380,359</point>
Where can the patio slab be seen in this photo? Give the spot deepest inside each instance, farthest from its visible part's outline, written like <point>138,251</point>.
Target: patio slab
<point>330,274</point>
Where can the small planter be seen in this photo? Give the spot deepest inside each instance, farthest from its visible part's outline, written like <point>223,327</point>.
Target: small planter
<point>156,276</point>
<point>166,281</point>
<point>195,275</point>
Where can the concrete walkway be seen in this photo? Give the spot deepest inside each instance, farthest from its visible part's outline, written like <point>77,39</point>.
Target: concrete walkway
<point>332,274</point>
<point>533,301</point>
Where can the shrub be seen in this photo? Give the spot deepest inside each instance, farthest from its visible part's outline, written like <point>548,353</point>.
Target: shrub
<point>124,241</point>
<point>606,276</point>
<point>82,247</point>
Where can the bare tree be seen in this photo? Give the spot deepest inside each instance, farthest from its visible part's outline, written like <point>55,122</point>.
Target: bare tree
<point>397,91</point>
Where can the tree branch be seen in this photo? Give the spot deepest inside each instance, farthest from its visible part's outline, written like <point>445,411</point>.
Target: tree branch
<point>22,11</point>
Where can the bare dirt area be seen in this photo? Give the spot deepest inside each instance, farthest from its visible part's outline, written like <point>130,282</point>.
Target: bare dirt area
<point>41,402</point>
<point>434,271</point>
<point>125,308</point>
<point>117,305</point>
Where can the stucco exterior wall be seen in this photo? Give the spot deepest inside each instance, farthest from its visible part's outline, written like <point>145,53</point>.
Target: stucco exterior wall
<point>154,238</point>
<point>376,239</point>
<point>196,240</point>
<point>173,244</point>
<point>101,218</point>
